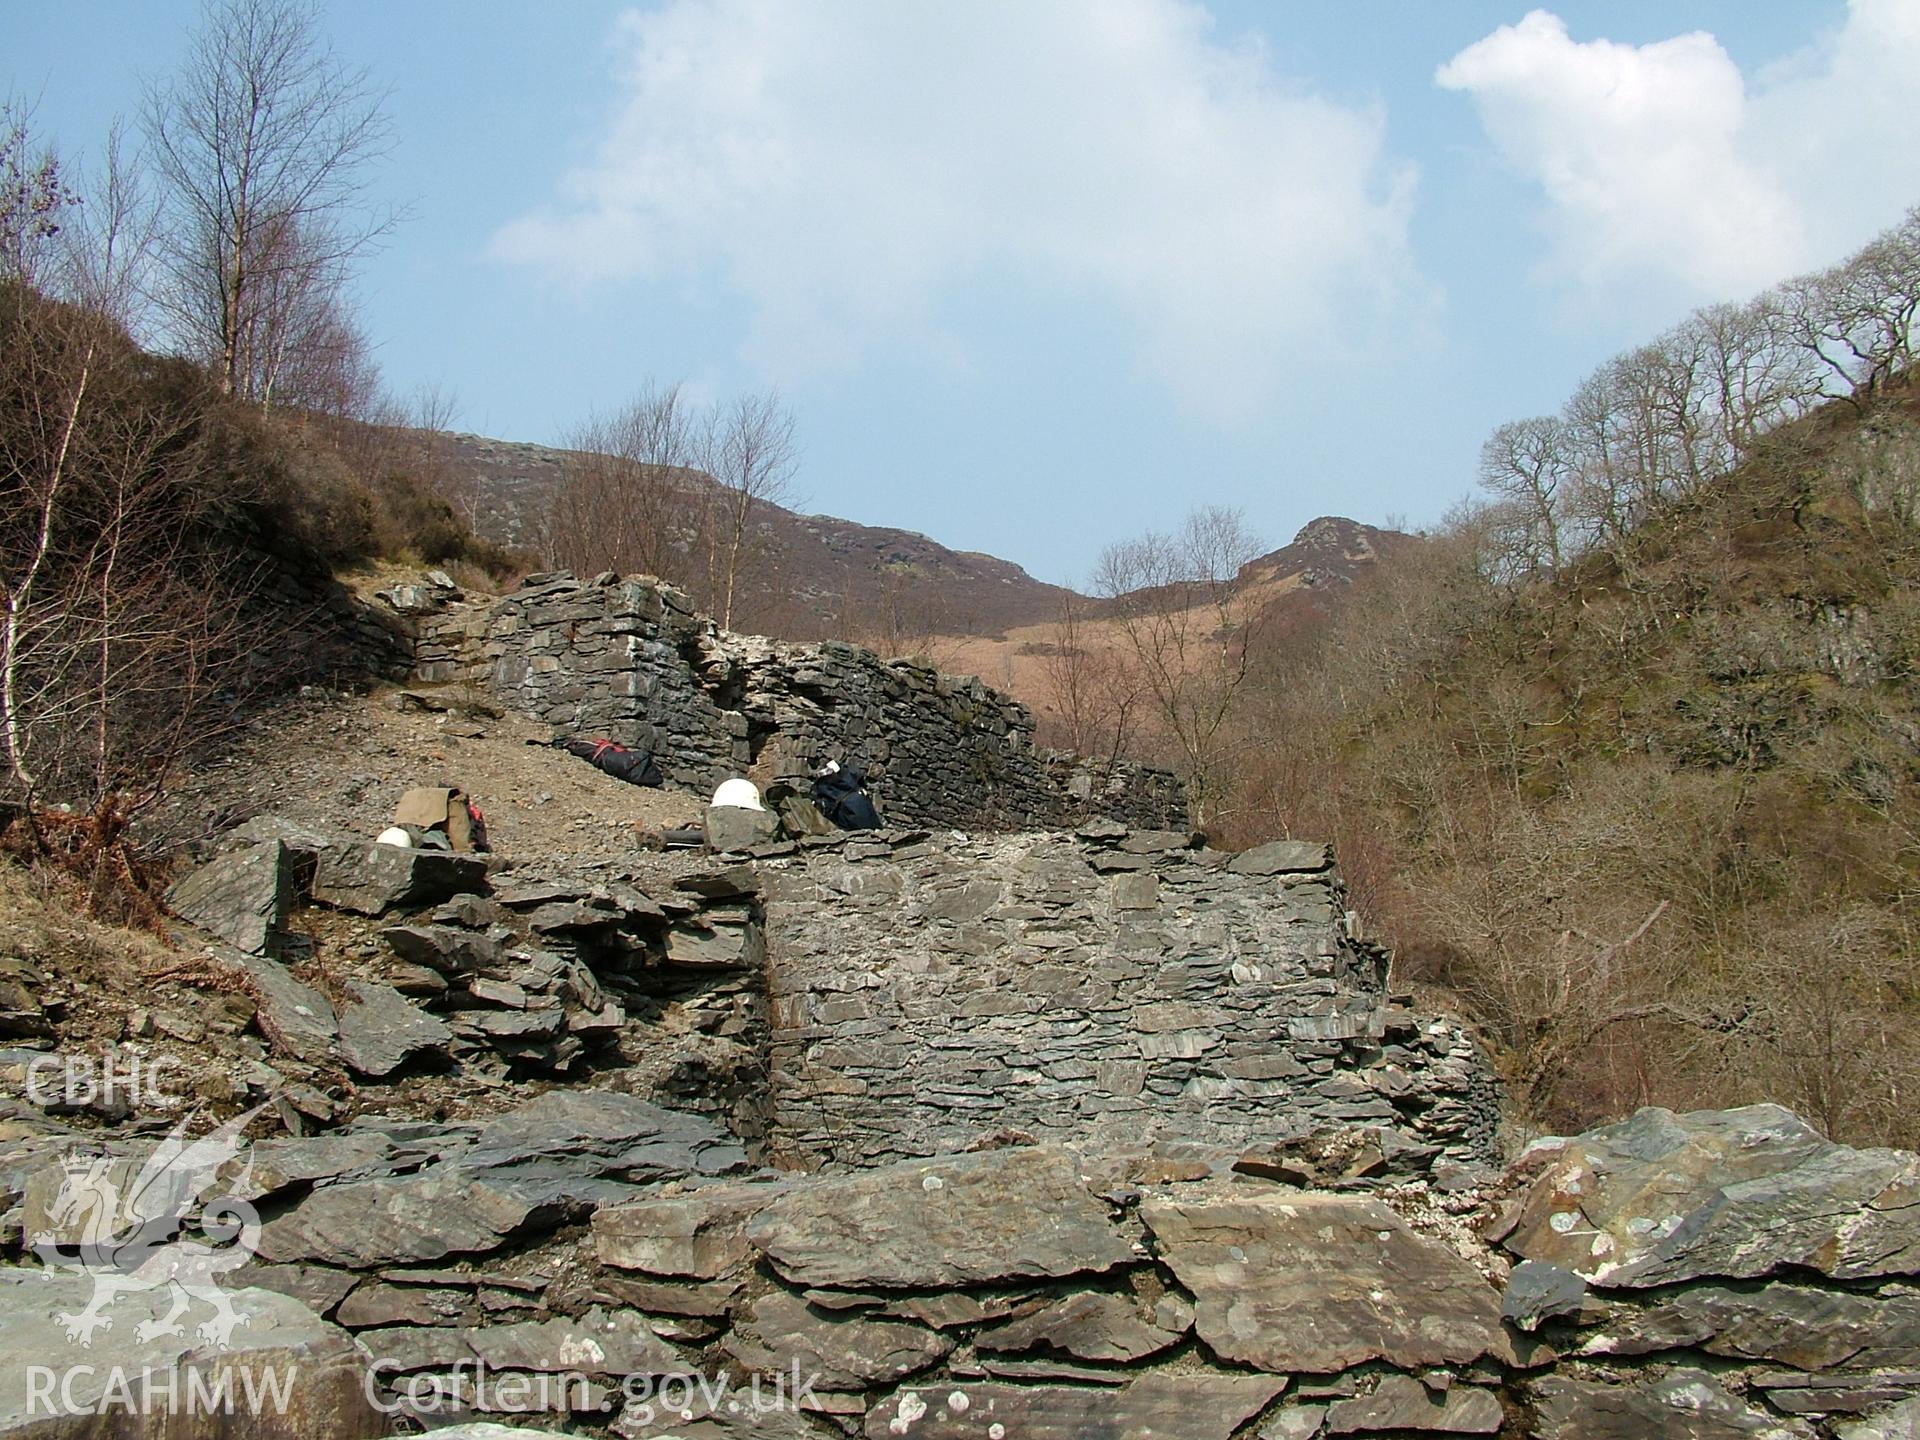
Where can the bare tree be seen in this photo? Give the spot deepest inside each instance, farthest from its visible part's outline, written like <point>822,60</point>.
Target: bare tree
<point>112,622</point>
<point>35,199</point>
<point>262,144</point>
<point>1638,432</point>
<point>1185,624</point>
<point>1093,691</point>
<point>1761,380</point>
<point>750,449</point>
<point>1529,465</point>
<point>431,413</point>
<point>107,258</point>
<point>624,501</point>
<point>895,614</point>
<point>1856,319</point>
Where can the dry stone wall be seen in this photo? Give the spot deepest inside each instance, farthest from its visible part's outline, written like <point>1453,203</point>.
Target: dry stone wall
<point>630,659</point>
<point>850,1000</point>
<point>1202,1176</point>
<point>586,1264</point>
<point>1116,984</point>
<point>308,628</point>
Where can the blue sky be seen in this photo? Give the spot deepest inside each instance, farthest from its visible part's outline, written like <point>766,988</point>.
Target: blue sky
<point>1035,275</point>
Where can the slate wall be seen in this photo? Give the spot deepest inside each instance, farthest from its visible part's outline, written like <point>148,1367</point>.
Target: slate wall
<point>631,659</point>
<point>308,628</point>
<point>1113,983</point>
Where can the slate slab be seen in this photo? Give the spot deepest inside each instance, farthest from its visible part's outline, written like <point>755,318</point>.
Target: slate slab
<point>1684,1404</point>
<point>1321,1283</point>
<point>295,1018</point>
<point>700,1235</point>
<point>243,896</point>
<point>1282,857</point>
<point>375,1303</point>
<point>719,947</point>
<point>601,1132</point>
<point>371,879</point>
<point>305,1373</point>
<point>767,1415</point>
<point>1401,1403</point>
<point>371,1223</point>
<point>735,827</point>
<point>447,949</point>
<point>779,1332</point>
<point>382,1030</point>
<point>1663,1198</point>
<point>1166,1406</point>
<point>956,1221</point>
<point>1798,1325</point>
<point>1094,1326</point>
<point>314,1286</point>
<point>269,1166</point>
<point>600,1342</point>
<point>1892,1422</point>
<point>1537,1291</point>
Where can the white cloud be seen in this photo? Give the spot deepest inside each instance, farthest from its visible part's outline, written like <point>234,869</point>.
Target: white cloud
<point>1664,163</point>
<point>848,165</point>
<point>1836,122</point>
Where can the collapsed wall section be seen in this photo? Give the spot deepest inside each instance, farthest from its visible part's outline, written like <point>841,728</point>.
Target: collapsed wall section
<point>631,660</point>
<point>1111,987</point>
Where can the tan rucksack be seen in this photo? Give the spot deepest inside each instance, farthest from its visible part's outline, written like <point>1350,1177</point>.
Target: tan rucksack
<point>446,809</point>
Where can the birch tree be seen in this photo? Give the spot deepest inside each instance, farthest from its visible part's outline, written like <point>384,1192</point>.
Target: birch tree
<point>263,145</point>
<point>1185,626</point>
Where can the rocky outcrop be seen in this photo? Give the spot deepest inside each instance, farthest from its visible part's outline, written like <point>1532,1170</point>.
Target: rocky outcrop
<point>629,659</point>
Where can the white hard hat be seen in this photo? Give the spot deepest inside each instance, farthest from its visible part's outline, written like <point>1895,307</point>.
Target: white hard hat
<point>740,794</point>
<point>395,835</point>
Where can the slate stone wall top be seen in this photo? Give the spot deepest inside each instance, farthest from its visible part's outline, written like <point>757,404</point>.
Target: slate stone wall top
<point>630,659</point>
<point>1038,1292</point>
<point>925,993</point>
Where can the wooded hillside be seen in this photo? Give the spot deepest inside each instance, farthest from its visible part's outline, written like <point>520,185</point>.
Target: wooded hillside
<point>1626,756</point>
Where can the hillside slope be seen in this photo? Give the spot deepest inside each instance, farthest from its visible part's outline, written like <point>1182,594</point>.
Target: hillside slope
<point>816,576</point>
<point>1654,819</point>
<point>820,577</point>
<point>1312,572</point>
<point>1293,590</point>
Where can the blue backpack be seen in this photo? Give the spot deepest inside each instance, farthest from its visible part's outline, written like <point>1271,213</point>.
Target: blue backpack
<point>843,799</point>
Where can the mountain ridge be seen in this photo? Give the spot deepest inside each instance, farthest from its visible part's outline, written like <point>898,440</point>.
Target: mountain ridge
<point>822,573</point>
